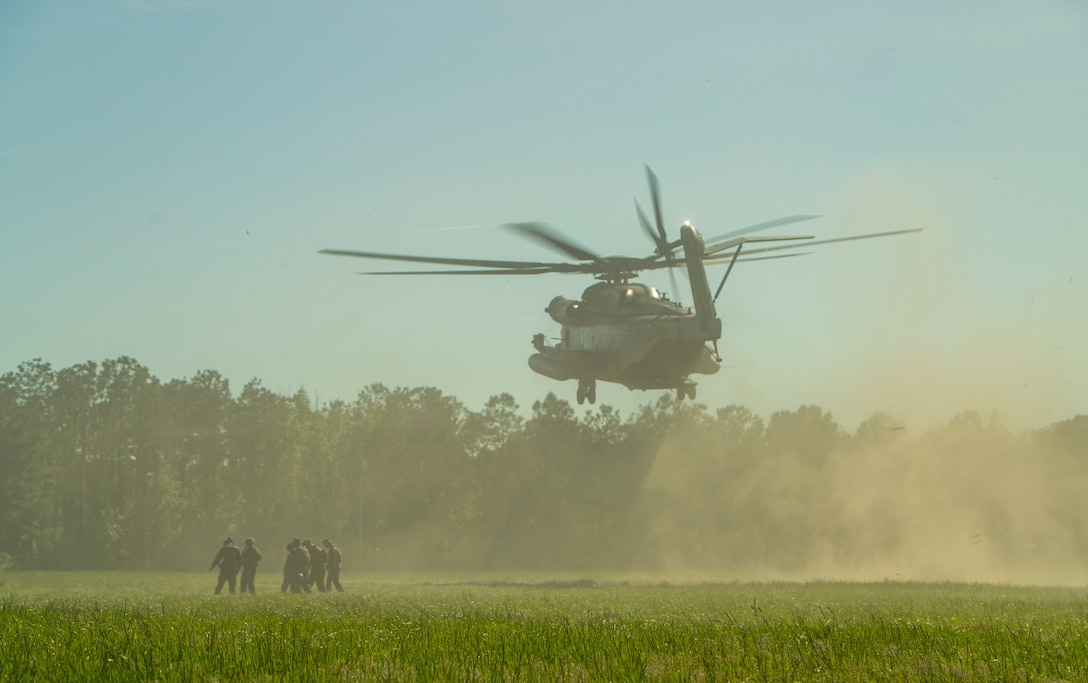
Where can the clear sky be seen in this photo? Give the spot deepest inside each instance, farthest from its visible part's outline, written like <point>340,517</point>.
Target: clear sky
<point>170,169</point>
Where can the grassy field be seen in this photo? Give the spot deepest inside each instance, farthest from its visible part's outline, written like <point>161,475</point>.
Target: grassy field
<point>167,627</point>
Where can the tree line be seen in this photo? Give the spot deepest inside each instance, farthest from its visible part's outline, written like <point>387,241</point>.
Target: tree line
<point>104,466</point>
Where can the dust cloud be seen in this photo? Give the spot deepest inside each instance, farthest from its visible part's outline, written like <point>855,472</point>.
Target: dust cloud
<point>922,331</point>
<point>921,325</point>
<point>942,324</point>
<point>967,502</point>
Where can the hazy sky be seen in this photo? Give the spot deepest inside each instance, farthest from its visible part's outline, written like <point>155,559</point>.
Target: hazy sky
<point>170,169</point>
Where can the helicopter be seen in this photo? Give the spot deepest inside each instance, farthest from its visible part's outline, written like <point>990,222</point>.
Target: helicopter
<point>623,331</point>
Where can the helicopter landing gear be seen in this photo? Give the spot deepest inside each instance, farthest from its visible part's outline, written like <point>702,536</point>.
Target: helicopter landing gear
<point>687,390</point>
<point>587,391</point>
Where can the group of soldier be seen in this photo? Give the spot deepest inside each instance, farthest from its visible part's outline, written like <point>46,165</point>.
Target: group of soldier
<point>307,565</point>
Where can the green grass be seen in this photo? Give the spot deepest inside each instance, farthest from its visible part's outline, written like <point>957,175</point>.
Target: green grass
<point>166,627</point>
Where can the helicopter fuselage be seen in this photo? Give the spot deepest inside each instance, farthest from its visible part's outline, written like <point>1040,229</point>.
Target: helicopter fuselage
<point>629,334</point>
<point>626,332</point>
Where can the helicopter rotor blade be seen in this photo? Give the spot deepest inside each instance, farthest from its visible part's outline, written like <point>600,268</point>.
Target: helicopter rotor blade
<point>662,244</point>
<point>501,271</point>
<point>482,263</point>
<point>727,259</point>
<point>871,235</point>
<point>724,246</point>
<point>544,234</point>
<point>645,223</point>
<point>672,282</point>
<point>660,239</point>
<point>655,197</point>
<point>766,225</point>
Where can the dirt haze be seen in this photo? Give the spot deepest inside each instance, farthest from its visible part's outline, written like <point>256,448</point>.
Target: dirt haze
<point>922,326</point>
<point>968,502</point>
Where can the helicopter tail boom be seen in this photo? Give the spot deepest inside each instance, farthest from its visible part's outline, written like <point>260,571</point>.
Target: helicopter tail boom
<point>710,326</point>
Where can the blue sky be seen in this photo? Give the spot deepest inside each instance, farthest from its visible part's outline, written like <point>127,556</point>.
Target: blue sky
<point>170,169</point>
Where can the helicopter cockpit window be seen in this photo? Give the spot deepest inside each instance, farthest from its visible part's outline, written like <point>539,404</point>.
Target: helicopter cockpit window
<point>653,293</point>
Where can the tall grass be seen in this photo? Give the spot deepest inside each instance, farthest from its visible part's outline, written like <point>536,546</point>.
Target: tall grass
<point>165,627</point>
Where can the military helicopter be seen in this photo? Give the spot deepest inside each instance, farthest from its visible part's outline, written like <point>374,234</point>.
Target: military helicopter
<point>624,331</point>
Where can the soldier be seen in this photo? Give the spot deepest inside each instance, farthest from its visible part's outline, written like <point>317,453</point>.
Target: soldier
<point>335,559</point>
<point>302,561</point>
<point>229,561</point>
<point>288,566</point>
<point>296,569</point>
<point>250,557</point>
<point>318,558</point>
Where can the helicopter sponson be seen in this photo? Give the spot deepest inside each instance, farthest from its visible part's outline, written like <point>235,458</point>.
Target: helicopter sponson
<point>551,367</point>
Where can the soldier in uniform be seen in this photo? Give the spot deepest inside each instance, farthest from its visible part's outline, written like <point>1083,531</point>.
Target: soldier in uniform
<point>288,566</point>
<point>336,558</point>
<point>318,558</point>
<point>250,557</point>
<point>296,569</point>
<point>229,561</point>
<point>299,581</point>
